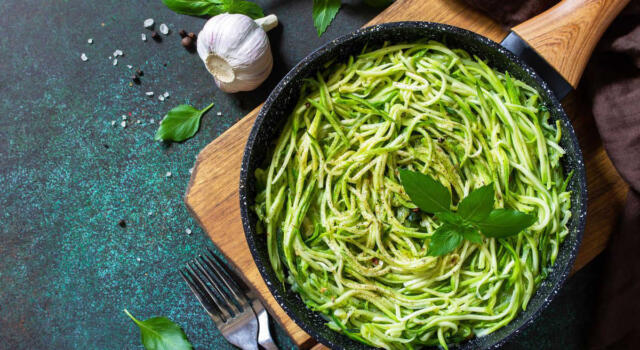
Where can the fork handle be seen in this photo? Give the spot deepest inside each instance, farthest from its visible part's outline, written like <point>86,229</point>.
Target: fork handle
<point>264,335</point>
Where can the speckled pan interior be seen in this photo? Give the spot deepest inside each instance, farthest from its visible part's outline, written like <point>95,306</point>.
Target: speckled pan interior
<point>280,104</point>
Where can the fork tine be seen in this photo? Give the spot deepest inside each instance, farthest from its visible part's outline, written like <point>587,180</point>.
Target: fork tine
<point>239,296</point>
<point>234,278</point>
<point>226,315</point>
<point>202,298</point>
<point>216,284</point>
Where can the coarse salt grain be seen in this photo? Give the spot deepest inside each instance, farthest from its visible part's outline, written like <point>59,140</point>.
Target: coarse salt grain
<point>166,94</point>
<point>113,122</point>
<point>150,213</point>
<point>138,121</point>
<point>117,53</point>
<point>161,98</point>
<point>219,113</point>
<point>148,23</point>
<point>143,37</point>
<point>164,29</point>
<point>152,121</point>
<point>191,171</point>
<point>129,66</point>
<point>138,259</point>
<point>188,231</point>
<point>115,61</point>
<point>90,41</point>
<point>124,117</point>
<point>83,57</point>
<point>149,93</point>
<point>123,124</point>
<point>168,174</point>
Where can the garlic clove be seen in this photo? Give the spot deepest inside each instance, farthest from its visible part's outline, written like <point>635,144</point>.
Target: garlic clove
<point>268,22</point>
<point>236,51</point>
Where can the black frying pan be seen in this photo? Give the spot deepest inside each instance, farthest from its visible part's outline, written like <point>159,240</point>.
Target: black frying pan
<point>527,66</point>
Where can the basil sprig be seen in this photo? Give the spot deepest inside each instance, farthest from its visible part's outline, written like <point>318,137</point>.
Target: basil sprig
<point>474,218</point>
<point>160,333</point>
<point>324,11</point>
<point>181,123</point>
<point>214,7</point>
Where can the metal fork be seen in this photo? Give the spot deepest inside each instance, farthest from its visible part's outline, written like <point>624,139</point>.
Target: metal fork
<point>230,310</point>
<point>264,335</point>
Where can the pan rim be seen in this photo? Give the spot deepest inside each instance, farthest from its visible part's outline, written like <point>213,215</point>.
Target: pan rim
<point>580,172</point>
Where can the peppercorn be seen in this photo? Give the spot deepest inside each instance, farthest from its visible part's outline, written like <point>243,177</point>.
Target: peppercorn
<point>139,72</point>
<point>182,33</point>
<point>187,42</point>
<point>135,79</point>
<point>122,223</point>
<point>441,140</point>
<point>192,36</point>
<point>155,36</point>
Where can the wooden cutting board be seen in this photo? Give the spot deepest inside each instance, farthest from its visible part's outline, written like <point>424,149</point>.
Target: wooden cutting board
<point>212,194</point>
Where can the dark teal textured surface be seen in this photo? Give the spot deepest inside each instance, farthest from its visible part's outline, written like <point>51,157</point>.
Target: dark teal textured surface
<point>67,176</point>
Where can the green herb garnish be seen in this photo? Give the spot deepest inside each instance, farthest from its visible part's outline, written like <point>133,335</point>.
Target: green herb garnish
<point>475,213</point>
<point>160,333</point>
<point>214,7</point>
<point>324,11</point>
<point>181,123</point>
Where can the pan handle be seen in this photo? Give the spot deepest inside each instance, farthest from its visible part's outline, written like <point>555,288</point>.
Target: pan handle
<point>566,34</point>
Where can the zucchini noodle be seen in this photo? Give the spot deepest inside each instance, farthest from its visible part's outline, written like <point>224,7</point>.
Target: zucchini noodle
<point>344,234</point>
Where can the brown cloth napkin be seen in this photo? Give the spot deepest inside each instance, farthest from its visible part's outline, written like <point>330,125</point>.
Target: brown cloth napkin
<point>612,81</point>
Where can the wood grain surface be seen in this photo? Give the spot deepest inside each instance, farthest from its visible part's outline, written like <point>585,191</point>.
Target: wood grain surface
<point>566,34</point>
<point>212,195</point>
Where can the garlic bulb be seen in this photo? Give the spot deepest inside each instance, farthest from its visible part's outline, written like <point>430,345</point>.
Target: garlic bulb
<point>236,51</point>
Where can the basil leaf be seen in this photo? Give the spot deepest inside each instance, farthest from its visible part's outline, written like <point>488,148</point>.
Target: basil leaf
<point>324,11</point>
<point>214,7</point>
<point>425,192</point>
<point>457,223</point>
<point>505,222</point>
<point>450,218</point>
<point>160,333</point>
<point>195,8</point>
<point>181,123</point>
<point>444,240</point>
<point>478,204</point>
<point>248,8</point>
<point>472,235</point>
